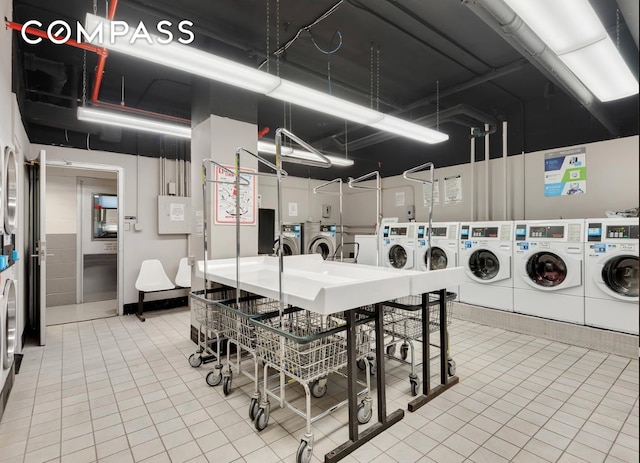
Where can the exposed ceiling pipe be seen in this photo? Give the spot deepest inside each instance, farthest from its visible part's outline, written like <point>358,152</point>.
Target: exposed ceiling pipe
<point>102,59</point>
<point>448,115</point>
<point>631,14</point>
<point>494,74</point>
<point>512,28</point>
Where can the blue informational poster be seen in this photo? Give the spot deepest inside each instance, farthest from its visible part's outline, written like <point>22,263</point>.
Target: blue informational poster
<point>565,172</point>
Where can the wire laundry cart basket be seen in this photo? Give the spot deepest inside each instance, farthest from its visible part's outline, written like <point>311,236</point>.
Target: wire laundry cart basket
<point>235,316</point>
<point>210,331</point>
<point>306,347</point>
<point>404,325</point>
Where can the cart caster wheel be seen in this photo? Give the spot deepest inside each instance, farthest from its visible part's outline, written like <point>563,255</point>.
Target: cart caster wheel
<point>303,455</point>
<point>214,378</point>
<point>261,419</point>
<point>452,367</point>
<point>364,413</point>
<point>253,408</point>
<point>195,360</point>
<point>318,390</point>
<point>226,385</point>
<point>361,365</point>
<point>391,350</point>
<point>414,387</point>
<point>404,351</point>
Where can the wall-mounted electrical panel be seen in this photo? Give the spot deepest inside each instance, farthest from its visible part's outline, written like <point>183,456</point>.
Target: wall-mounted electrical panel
<point>174,215</point>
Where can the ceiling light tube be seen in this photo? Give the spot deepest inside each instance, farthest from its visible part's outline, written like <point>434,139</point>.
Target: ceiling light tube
<point>120,119</point>
<point>191,60</point>
<point>573,31</point>
<point>320,101</point>
<point>270,148</point>
<point>409,130</point>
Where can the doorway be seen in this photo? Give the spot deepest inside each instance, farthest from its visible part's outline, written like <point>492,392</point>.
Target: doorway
<point>75,218</point>
<point>82,232</point>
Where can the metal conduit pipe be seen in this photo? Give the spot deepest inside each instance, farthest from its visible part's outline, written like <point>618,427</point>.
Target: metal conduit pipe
<point>472,161</point>
<point>501,18</point>
<point>505,215</point>
<point>487,189</point>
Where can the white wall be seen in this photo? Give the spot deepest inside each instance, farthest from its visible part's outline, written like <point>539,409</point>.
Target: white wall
<point>143,186</point>
<point>299,191</point>
<point>612,184</point>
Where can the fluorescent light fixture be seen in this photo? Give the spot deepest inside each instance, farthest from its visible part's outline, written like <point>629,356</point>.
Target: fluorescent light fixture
<point>409,130</point>
<point>573,31</point>
<point>270,148</point>
<point>188,59</point>
<point>320,101</point>
<point>120,119</point>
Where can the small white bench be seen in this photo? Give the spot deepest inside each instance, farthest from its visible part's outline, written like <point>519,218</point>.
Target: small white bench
<point>152,279</point>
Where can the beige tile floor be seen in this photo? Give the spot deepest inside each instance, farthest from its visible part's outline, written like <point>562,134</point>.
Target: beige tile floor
<point>117,390</point>
<point>81,312</point>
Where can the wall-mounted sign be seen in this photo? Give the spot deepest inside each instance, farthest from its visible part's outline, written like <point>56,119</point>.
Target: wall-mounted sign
<point>400,198</point>
<point>453,189</point>
<point>227,195</point>
<point>565,172</point>
<point>429,190</point>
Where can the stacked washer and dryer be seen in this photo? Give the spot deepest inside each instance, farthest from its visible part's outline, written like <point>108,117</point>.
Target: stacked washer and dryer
<point>549,270</point>
<point>8,272</point>
<point>486,253</point>
<point>611,274</point>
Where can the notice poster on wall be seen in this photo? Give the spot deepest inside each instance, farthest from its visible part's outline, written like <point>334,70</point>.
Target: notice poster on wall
<point>400,198</point>
<point>227,195</point>
<point>453,189</point>
<point>427,191</point>
<point>565,172</point>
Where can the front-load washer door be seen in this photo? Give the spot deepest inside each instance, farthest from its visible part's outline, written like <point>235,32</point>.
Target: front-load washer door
<point>485,266</point>
<point>9,309</point>
<point>289,247</point>
<point>618,277</point>
<point>322,246</point>
<point>439,259</point>
<point>550,271</point>
<point>399,257</point>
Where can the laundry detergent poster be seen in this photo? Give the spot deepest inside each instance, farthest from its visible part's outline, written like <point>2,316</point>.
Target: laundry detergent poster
<point>565,172</point>
<point>227,195</point>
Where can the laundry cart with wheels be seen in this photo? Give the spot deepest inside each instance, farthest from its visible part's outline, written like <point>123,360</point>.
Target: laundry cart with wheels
<point>404,325</point>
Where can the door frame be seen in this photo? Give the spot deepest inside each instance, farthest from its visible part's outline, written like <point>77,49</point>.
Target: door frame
<point>119,171</point>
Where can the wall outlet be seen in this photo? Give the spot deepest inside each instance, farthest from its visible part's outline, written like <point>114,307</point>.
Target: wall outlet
<point>326,211</point>
<point>171,189</point>
<point>138,227</point>
<point>411,212</point>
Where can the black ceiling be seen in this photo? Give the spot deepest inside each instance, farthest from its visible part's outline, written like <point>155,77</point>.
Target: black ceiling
<point>434,60</point>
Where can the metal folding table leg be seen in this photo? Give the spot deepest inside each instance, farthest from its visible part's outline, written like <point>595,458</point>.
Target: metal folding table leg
<point>357,439</point>
<point>446,381</point>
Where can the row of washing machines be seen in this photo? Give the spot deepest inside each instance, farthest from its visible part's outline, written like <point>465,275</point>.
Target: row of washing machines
<point>577,271</point>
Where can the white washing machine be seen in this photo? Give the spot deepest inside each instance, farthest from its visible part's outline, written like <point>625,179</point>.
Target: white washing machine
<point>611,274</point>
<point>8,329</point>
<point>444,247</point>
<point>486,254</point>
<point>292,239</point>
<point>398,245</point>
<point>320,239</point>
<point>549,270</point>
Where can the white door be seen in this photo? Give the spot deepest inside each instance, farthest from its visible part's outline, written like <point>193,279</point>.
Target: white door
<point>39,255</point>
